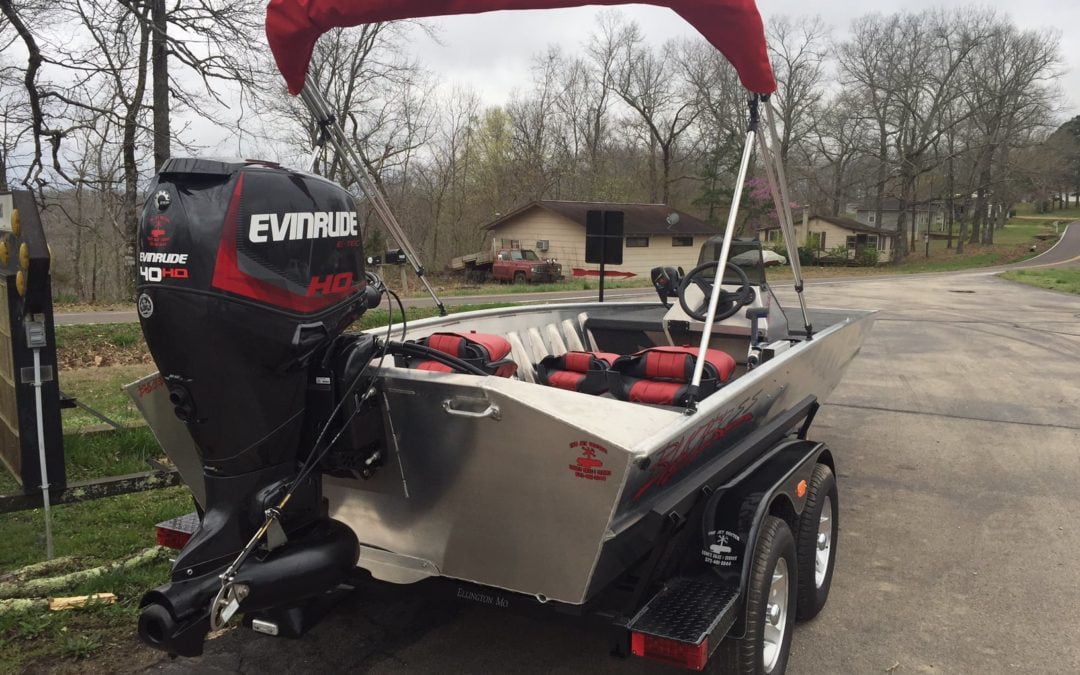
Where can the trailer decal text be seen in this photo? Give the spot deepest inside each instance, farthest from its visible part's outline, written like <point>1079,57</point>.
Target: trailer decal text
<point>589,465</point>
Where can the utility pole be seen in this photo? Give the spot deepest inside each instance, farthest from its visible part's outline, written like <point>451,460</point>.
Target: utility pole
<point>159,55</point>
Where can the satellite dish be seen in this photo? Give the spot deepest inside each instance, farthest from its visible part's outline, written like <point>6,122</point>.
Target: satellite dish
<point>672,219</point>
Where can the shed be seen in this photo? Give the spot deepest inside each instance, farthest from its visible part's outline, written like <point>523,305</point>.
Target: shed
<point>655,234</point>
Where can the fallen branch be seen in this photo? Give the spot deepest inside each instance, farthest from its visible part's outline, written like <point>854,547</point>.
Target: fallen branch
<point>16,605</point>
<point>80,601</point>
<point>38,569</point>
<point>48,586</point>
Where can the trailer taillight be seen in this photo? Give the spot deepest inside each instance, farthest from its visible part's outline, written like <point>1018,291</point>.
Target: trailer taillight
<point>172,538</point>
<point>672,652</point>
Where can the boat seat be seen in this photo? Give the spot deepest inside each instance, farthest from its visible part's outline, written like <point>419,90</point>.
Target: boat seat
<point>491,353</point>
<point>661,375</point>
<point>586,372</point>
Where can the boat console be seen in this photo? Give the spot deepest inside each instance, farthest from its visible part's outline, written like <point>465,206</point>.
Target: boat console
<point>749,317</point>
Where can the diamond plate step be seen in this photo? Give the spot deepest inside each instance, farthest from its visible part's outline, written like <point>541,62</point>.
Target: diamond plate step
<point>689,609</point>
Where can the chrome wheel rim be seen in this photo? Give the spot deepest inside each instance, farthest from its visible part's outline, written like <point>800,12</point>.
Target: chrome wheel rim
<point>776,615</point>
<point>824,543</point>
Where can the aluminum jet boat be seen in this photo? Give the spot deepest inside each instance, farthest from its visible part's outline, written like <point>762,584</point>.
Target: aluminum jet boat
<point>645,462</point>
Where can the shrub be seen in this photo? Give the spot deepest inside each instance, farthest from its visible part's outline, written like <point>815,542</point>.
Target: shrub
<point>807,255</point>
<point>867,257</point>
<point>840,251</point>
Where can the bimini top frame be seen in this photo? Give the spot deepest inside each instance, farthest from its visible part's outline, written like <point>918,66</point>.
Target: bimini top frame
<point>733,26</point>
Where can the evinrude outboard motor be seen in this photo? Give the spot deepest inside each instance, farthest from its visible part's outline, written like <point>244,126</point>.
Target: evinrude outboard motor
<point>248,275</point>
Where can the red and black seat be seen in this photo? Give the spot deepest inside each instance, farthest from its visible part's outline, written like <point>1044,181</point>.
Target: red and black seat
<point>490,353</point>
<point>577,371</point>
<point>661,375</point>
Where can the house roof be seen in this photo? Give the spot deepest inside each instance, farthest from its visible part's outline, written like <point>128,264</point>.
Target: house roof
<point>846,223</point>
<point>638,219</point>
<point>855,226</point>
<point>894,205</point>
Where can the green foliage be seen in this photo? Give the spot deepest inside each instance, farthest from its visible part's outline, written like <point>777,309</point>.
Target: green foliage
<point>839,251</point>
<point>79,646</point>
<point>867,256</point>
<point>807,255</point>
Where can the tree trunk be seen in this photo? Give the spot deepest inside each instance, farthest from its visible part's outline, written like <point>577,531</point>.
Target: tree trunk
<point>159,56</point>
<point>978,212</point>
<point>907,187</point>
<point>131,129</point>
<point>883,174</point>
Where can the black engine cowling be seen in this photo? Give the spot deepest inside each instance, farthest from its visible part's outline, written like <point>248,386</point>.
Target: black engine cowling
<point>248,275</point>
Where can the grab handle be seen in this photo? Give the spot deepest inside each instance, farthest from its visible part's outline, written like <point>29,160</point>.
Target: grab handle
<point>491,410</point>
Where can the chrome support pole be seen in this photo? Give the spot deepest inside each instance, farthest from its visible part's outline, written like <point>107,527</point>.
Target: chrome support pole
<point>324,115</point>
<point>721,263</point>
<point>783,209</point>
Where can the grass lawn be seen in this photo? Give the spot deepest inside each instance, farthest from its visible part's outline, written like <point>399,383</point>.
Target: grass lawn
<point>1058,279</point>
<point>1071,213</point>
<point>96,532</point>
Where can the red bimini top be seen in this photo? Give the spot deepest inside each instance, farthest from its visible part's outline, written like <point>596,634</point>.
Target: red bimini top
<point>293,26</point>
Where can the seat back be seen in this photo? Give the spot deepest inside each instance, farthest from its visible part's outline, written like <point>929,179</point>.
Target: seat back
<point>586,372</point>
<point>661,375</point>
<point>488,352</point>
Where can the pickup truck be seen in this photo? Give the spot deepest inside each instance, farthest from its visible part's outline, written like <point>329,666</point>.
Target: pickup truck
<point>508,265</point>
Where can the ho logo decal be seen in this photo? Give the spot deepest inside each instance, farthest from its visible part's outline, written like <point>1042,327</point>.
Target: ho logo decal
<point>332,284</point>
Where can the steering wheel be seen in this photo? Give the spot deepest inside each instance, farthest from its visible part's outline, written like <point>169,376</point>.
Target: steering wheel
<point>729,301</point>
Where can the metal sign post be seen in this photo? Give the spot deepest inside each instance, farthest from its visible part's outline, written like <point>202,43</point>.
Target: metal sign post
<point>604,241</point>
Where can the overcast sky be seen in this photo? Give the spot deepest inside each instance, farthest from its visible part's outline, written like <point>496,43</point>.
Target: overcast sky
<point>492,52</point>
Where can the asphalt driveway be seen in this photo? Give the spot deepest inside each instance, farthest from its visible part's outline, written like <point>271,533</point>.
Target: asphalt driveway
<point>958,441</point>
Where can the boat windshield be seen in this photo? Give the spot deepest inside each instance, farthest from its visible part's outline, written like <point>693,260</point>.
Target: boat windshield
<point>745,253</point>
<point>523,255</point>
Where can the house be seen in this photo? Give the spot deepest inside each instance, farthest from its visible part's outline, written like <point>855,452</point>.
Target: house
<point>825,233</point>
<point>655,234</point>
<point>932,212</point>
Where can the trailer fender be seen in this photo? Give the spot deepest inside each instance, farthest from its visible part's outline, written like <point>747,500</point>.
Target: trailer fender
<point>775,485</point>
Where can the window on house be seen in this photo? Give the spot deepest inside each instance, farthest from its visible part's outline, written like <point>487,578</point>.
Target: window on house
<point>682,241</point>
<point>510,243</point>
<point>637,242</point>
<point>852,240</point>
<point>872,240</point>
<point>816,240</point>
<point>872,218</point>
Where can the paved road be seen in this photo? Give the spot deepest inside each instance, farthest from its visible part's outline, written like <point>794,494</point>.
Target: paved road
<point>1066,250</point>
<point>560,296</point>
<point>958,442</point>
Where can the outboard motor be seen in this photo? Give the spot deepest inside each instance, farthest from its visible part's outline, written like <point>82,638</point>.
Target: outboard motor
<point>248,275</point>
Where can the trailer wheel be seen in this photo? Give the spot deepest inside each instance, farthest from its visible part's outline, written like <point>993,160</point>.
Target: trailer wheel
<point>770,607</point>
<point>816,542</point>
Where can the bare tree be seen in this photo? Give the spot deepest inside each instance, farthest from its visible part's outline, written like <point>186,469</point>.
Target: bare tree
<point>797,47</point>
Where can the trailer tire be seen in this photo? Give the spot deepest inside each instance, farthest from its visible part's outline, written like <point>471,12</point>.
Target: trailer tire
<point>775,567</point>
<point>815,563</point>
